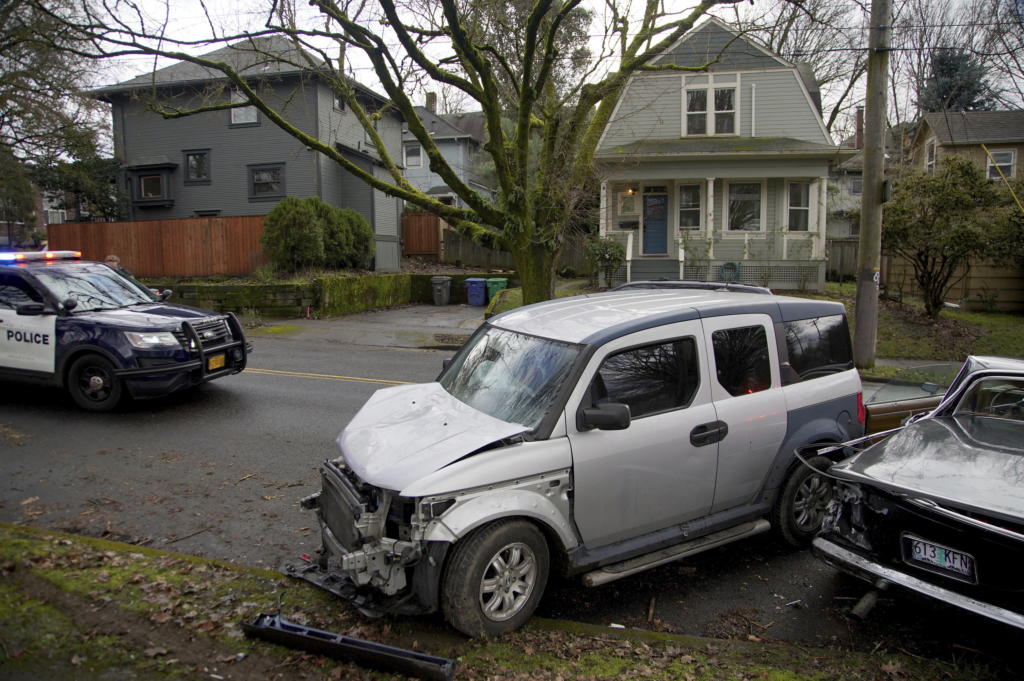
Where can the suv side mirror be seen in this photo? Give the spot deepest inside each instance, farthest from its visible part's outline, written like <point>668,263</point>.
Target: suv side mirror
<point>605,416</point>
<point>30,309</point>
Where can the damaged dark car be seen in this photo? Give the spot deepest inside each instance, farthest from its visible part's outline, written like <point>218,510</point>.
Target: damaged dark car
<point>937,506</point>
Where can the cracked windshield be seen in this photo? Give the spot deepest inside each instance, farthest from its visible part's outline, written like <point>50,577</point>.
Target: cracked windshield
<point>510,376</point>
<point>95,288</point>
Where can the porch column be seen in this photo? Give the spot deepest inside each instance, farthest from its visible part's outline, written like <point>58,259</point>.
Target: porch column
<point>821,218</point>
<point>602,216</point>
<point>709,227</point>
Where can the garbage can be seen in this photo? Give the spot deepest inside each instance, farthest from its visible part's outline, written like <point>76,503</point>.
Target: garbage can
<point>442,289</point>
<point>494,285</point>
<point>476,290</point>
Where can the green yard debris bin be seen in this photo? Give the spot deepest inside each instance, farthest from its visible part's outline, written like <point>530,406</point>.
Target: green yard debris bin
<point>494,285</point>
<point>442,289</point>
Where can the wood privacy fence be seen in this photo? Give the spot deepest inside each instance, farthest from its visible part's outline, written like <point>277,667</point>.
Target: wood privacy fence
<point>842,258</point>
<point>457,248</point>
<point>421,235</point>
<point>191,247</point>
<point>987,287</point>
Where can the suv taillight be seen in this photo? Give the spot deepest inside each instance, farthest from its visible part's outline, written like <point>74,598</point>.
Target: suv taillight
<point>862,415</point>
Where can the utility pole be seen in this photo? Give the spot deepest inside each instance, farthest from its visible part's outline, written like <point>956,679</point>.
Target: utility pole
<point>869,254</point>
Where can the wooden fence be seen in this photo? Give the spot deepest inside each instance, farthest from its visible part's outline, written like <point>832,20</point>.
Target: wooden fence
<point>191,247</point>
<point>842,259</point>
<point>457,248</point>
<point>986,287</point>
<point>421,235</point>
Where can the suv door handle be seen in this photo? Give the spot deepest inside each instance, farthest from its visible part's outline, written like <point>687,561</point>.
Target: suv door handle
<point>708,433</point>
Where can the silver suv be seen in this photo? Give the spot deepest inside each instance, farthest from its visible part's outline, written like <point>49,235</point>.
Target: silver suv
<point>614,432</point>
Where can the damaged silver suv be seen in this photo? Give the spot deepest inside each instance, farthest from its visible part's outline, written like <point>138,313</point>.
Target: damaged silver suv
<point>605,434</point>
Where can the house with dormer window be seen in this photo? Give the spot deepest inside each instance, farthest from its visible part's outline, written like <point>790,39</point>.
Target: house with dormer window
<point>719,174</point>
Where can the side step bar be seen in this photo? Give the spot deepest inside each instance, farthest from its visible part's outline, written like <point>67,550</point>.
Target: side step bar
<point>277,629</point>
<point>610,573</point>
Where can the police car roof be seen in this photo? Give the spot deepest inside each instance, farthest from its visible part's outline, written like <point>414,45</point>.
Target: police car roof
<point>598,318</point>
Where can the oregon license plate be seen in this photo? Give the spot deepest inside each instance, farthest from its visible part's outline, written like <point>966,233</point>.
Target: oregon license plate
<point>938,558</point>
<point>215,362</point>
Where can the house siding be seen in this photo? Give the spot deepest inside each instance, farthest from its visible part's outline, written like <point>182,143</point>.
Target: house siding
<point>709,43</point>
<point>147,137</point>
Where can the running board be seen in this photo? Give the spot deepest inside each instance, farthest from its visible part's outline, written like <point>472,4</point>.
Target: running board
<point>610,573</point>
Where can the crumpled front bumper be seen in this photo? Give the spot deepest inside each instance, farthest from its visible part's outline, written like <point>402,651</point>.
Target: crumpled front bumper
<point>356,562</point>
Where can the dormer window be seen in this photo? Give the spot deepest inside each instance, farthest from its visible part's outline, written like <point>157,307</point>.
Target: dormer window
<point>710,104</point>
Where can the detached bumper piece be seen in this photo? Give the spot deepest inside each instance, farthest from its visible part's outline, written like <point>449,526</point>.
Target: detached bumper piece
<point>277,629</point>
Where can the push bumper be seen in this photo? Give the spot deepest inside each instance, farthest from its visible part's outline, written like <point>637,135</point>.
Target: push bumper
<point>864,568</point>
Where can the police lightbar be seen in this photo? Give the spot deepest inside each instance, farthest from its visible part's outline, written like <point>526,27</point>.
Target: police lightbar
<point>31,256</point>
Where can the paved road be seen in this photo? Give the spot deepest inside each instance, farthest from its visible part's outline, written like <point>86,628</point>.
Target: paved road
<point>219,471</point>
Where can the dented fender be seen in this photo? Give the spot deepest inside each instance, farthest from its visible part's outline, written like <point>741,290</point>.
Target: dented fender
<point>550,510</point>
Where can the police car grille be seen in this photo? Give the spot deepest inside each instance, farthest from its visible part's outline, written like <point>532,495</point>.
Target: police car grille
<point>211,332</point>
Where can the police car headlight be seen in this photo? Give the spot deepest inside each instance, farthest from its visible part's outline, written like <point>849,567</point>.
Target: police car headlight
<point>152,339</point>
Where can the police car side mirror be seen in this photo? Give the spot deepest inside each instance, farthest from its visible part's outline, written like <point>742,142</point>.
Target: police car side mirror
<point>165,294</point>
<point>31,309</point>
<point>69,304</point>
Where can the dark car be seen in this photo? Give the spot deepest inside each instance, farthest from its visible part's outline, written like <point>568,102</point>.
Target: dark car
<point>937,507</point>
<point>85,327</point>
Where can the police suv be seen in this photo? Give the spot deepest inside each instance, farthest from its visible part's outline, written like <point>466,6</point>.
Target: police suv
<point>85,327</point>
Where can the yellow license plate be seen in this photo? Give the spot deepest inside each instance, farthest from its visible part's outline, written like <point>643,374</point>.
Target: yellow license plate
<point>215,362</point>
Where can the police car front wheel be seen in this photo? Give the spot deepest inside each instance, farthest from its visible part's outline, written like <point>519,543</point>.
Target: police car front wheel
<point>93,384</point>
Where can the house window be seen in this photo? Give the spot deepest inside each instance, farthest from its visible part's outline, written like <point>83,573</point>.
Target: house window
<point>413,156</point>
<point>197,166</point>
<point>366,133</point>
<point>339,103</point>
<point>243,115</point>
<point>689,206</point>
<point>856,184</point>
<point>709,102</point>
<point>629,203</point>
<point>151,186</point>
<point>929,163</point>
<point>266,182</point>
<point>1001,161</point>
<point>725,111</point>
<point>799,196</point>
<point>744,207</point>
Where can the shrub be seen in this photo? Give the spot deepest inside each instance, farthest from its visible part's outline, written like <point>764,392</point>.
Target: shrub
<point>362,238</point>
<point>293,235</point>
<point>605,256</point>
<point>338,239</point>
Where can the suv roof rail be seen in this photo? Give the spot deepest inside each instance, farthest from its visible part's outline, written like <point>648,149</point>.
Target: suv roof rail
<point>706,285</point>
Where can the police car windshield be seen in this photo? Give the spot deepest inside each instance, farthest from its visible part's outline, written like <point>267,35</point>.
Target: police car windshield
<point>508,375</point>
<point>95,287</point>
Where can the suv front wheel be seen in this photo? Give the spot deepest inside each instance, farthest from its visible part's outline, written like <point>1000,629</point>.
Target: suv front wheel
<point>801,505</point>
<point>495,578</point>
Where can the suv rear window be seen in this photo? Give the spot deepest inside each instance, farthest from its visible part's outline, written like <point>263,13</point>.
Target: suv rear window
<point>818,346</point>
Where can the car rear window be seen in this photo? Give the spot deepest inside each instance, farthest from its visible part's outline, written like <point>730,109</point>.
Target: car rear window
<point>818,346</point>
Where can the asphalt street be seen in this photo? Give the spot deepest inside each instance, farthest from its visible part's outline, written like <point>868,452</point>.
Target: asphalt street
<point>219,472</point>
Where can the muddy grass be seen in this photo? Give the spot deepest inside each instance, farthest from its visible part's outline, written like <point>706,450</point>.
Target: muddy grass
<point>79,608</point>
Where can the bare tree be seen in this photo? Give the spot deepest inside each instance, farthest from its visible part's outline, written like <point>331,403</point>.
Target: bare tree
<point>541,138</point>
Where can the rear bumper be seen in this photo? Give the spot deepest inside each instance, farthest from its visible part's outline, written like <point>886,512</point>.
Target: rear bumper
<point>864,568</point>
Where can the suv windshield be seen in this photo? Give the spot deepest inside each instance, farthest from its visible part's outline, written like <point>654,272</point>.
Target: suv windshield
<point>510,376</point>
<point>95,287</point>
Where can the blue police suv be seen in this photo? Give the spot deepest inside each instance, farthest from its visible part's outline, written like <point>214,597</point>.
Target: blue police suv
<point>100,335</point>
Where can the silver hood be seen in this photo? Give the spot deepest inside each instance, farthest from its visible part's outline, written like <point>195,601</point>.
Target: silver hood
<point>405,433</point>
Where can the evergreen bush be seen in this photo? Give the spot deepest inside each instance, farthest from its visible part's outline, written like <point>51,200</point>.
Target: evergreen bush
<point>293,235</point>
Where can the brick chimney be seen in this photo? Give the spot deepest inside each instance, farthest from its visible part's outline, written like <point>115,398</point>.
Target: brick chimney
<point>431,102</point>
<point>858,139</point>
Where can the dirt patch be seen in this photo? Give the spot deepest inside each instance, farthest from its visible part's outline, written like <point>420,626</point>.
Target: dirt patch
<point>421,266</point>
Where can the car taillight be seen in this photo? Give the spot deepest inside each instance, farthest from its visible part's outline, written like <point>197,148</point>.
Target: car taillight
<point>862,415</point>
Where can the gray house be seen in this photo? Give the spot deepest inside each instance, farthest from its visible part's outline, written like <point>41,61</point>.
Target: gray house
<point>458,137</point>
<point>234,161</point>
<point>721,174</point>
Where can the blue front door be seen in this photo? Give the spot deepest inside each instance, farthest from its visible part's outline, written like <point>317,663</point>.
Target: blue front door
<point>655,224</point>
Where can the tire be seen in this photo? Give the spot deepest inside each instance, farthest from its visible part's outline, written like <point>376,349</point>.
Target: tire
<point>495,578</point>
<point>93,385</point>
<point>801,505</point>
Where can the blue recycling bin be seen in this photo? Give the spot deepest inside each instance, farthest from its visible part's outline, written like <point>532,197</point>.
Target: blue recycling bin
<point>476,291</point>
